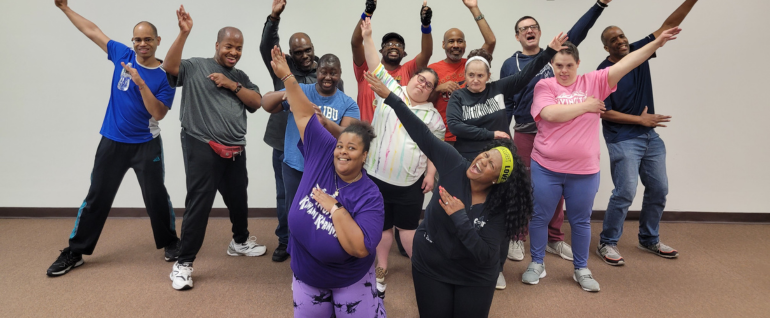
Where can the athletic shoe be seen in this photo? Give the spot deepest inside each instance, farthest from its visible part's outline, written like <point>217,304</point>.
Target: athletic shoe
<point>66,261</point>
<point>660,249</point>
<point>181,276</point>
<point>248,248</point>
<point>610,254</point>
<point>533,274</point>
<point>381,290</point>
<point>280,254</point>
<point>560,248</point>
<point>172,251</point>
<point>516,250</point>
<point>586,280</point>
<point>500,282</point>
<point>380,273</point>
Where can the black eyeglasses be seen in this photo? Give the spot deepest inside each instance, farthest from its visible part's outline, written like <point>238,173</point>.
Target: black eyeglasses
<point>422,80</point>
<point>140,40</point>
<point>533,27</point>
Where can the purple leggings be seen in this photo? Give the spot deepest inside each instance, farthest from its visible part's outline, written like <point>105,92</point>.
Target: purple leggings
<point>357,300</point>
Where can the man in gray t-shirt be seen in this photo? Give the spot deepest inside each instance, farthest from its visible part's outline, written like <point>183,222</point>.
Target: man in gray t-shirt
<point>215,99</point>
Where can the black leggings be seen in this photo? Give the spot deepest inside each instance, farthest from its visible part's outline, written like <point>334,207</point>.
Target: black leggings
<point>439,299</point>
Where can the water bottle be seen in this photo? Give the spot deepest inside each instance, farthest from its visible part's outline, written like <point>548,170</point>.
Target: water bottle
<point>125,79</point>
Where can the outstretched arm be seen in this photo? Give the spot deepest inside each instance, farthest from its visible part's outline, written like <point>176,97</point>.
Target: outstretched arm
<point>174,54</point>
<point>426,51</point>
<point>87,27</point>
<point>579,31</point>
<point>356,42</point>
<point>300,105</point>
<point>676,18</point>
<point>486,31</point>
<point>370,51</point>
<point>270,36</point>
<point>636,58</point>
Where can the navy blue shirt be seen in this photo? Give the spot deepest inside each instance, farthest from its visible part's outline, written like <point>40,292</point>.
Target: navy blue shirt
<point>633,94</point>
<point>519,104</point>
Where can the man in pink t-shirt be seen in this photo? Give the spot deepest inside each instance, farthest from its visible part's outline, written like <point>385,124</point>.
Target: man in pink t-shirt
<point>565,157</point>
<point>393,51</point>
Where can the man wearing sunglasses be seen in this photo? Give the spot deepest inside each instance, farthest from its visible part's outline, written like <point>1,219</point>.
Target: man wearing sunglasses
<point>140,97</point>
<point>393,51</point>
<point>528,34</point>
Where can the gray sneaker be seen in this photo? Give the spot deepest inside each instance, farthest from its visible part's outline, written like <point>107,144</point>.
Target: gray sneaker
<point>660,249</point>
<point>500,282</point>
<point>610,254</point>
<point>533,274</point>
<point>560,248</point>
<point>516,251</point>
<point>586,280</point>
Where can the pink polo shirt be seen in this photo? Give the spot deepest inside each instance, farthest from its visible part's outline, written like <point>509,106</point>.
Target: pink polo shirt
<point>572,146</point>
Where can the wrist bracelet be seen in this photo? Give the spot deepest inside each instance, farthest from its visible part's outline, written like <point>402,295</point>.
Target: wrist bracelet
<point>283,79</point>
<point>369,15</point>
<point>481,16</point>
<point>601,4</point>
<point>425,30</point>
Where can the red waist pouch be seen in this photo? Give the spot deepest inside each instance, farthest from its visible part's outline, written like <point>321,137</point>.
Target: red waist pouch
<point>226,152</point>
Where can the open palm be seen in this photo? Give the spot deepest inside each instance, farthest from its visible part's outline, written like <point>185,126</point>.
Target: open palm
<point>185,20</point>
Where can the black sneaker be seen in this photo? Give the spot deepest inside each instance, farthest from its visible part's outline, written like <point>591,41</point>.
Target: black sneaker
<point>172,251</point>
<point>67,260</point>
<point>280,254</point>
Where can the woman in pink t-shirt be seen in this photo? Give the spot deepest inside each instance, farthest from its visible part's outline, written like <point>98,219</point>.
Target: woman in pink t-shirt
<point>565,158</point>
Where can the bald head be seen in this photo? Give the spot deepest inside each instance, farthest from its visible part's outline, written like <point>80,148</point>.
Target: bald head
<point>229,32</point>
<point>302,51</point>
<point>454,45</point>
<point>145,24</point>
<point>453,32</point>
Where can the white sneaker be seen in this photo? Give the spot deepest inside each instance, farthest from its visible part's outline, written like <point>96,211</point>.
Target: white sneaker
<point>248,248</point>
<point>181,276</point>
<point>560,248</point>
<point>586,280</point>
<point>516,250</point>
<point>500,282</point>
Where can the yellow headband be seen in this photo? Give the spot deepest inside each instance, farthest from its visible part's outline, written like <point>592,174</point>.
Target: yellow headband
<point>507,167</point>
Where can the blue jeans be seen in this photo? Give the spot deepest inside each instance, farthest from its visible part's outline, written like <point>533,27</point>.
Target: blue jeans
<point>642,157</point>
<point>579,191</point>
<point>282,231</point>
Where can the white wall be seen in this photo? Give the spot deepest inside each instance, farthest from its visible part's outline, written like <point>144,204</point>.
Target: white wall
<point>55,84</point>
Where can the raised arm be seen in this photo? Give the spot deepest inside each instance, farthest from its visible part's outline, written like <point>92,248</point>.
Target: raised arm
<point>636,58</point>
<point>174,54</point>
<point>356,42</point>
<point>579,31</point>
<point>486,31</point>
<point>676,18</point>
<point>426,51</point>
<point>87,27</point>
<point>516,82</point>
<point>300,105</point>
<point>372,57</point>
<point>270,36</point>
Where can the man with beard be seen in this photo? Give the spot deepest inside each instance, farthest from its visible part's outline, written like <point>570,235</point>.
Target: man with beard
<point>213,114</point>
<point>304,65</point>
<point>140,96</point>
<point>334,110</point>
<point>636,150</point>
<point>528,34</point>
<point>451,71</point>
<point>393,51</point>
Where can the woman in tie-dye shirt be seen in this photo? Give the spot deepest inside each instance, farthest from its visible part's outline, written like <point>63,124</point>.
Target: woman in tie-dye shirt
<point>395,163</point>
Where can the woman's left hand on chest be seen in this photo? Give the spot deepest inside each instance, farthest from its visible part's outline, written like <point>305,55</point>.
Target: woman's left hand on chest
<point>450,203</point>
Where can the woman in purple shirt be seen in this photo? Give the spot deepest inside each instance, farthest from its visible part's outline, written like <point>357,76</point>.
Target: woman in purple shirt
<point>336,218</point>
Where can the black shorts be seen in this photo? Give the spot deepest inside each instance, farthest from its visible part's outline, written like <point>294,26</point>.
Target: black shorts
<point>403,205</point>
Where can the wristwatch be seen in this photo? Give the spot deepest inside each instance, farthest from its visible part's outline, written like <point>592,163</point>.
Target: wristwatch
<point>336,207</point>
<point>238,87</point>
<point>481,16</point>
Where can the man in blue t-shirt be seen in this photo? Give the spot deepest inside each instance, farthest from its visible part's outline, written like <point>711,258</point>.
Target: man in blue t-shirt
<point>528,34</point>
<point>335,112</point>
<point>140,97</point>
<point>636,151</point>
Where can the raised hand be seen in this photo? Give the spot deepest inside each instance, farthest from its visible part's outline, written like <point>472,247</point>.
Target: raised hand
<point>425,13</point>
<point>60,3</point>
<point>376,85</point>
<point>185,20</point>
<point>366,28</point>
<point>594,105</point>
<point>471,3</point>
<point>222,81</point>
<point>278,6</point>
<point>558,42</point>
<point>501,135</point>
<point>653,120</point>
<point>135,75</point>
<point>668,35</point>
<point>448,202</point>
<point>280,67</point>
<point>371,5</point>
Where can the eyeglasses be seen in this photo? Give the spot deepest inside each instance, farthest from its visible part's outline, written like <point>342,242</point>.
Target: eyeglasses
<point>422,80</point>
<point>140,40</point>
<point>391,44</point>
<point>533,27</point>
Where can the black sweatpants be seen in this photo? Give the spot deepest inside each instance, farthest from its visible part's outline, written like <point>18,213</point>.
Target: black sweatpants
<point>208,173</point>
<point>113,159</point>
<point>443,300</point>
